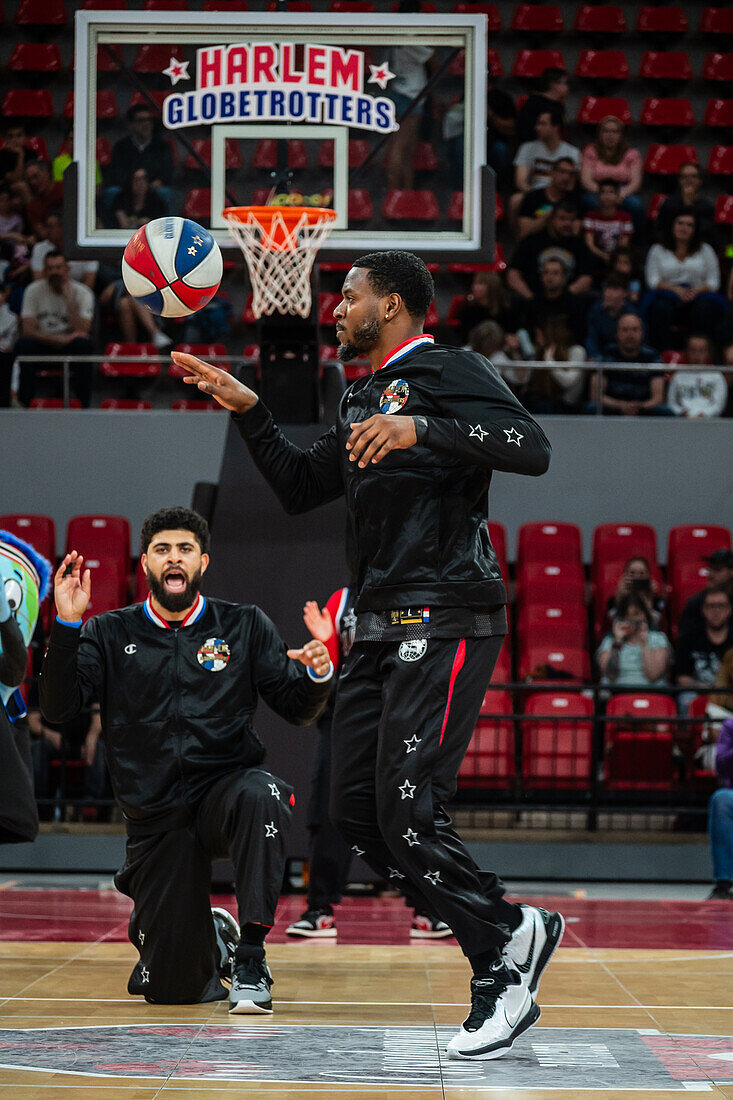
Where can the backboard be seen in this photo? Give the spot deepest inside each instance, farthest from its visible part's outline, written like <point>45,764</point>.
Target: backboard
<point>382,117</point>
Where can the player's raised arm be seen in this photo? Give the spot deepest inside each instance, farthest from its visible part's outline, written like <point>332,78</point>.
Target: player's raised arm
<point>219,384</point>
<point>72,666</point>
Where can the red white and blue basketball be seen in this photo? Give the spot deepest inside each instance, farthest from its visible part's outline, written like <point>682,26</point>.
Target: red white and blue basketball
<point>173,266</point>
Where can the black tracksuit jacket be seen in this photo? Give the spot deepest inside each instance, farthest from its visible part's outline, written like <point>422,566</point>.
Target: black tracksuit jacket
<point>171,726</point>
<point>417,519</point>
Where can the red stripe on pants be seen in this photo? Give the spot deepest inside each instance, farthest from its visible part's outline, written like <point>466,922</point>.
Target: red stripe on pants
<point>457,666</point>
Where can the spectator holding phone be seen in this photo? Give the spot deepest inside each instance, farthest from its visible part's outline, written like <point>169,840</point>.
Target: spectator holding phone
<point>634,654</point>
<point>637,580</point>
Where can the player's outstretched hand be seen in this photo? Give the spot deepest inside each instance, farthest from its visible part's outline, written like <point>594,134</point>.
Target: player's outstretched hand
<point>221,385</point>
<point>318,622</point>
<point>72,589</point>
<point>313,655</point>
<point>375,437</point>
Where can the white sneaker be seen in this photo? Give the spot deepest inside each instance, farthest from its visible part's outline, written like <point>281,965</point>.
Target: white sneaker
<point>501,1010</point>
<point>531,946</point>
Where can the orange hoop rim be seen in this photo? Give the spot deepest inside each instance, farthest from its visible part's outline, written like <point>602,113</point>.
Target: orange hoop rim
<point>290,215</point>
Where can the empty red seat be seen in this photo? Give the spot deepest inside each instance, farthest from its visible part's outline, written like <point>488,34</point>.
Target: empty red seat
<point>266,154</point>
<point>532,63</point>
<point>716,21</point>
<point>572,660</point>
<point>720,161</point>
<point>719,112</point>
<point>638,741</point>
<point>489,759</point>
<point>569,618</point>
<point>125,404</point>
<point>600,19</point>
<point>197,204</point>
<point>107,595</point>
<point>551,583</point>
<point>183,404</point>
<point>358,152</point>
<point>689,577</point>
<point>426,159</point>
<point>602,65</point>
<point>491,11</point>
<point>104,5</point>
<point>655,204</point>
<point>724,210</point>
<point>54,403</point>
<point>557,744</point>
<point>326,305</point>
<point>594,108</point>
<point>208,352</point>
<point>667,112</point>
<point>621,541</point>
<point>689,542</point>
<point>99,536</point>
<point>537,19</point>
<point>225,5</point>
<point>665,65</point>
<point>106,104</point>
<point>118,365</point>
<point>662,20</point>
<point>202,150</point>
<point>38,530</point>
<point>344,7</point>
<point>35,57</point>
<point>153,57</point>
<point>292,5</point>
<point>666,160</point>
<point>718,66</point>
<point>165,5</point>
<point>402,205</point>
<point>360,205</point>
<point>145,98</point>
<point>27,103</point>
<point>41,13</point>
<point>549,543</point>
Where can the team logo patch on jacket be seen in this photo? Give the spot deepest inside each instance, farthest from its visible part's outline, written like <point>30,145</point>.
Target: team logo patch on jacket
<point>214,654</point>
<point>394,397</point>
<point>412,651</point>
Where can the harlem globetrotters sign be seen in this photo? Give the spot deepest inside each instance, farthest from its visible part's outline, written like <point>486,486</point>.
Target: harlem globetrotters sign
<point>281,82</point>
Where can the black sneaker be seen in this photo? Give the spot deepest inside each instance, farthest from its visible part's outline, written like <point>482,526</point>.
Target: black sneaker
<point>502,1009</point>
<point>251,981</point>
<point>227,940</point>
<point>315,924</point>
<point>722,891</point>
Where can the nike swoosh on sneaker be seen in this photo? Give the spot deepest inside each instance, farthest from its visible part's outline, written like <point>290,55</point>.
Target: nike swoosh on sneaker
<point>526,966</point>
<point>515,1017</point>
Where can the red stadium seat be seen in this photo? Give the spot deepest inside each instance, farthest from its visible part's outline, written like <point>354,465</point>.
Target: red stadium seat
<point>35,57</point>
<point>532,63</point>
<point>656,202</point>
<point>567,659</point>
<point>106,105</point>
<point>661,20</point>
<point>182,404</point>
<point>667,112</point>
<point>38,530</point>
<point>557,746</point>
<point>225,5</point>
<point>558,633</point>
<point>197,204</point>
<point>665,65</point>
<point>108,593</point>
<point>344,7</point>
<point>639,752</point>
<point>202,147</point>
<point>602,65</point>
<point>41,13</point>
<point>426,159</point>
<point>719,112</point>
<point>594,108</point>
<point>35,144</point>
<point>292,5</point>
<point>400,205</point>
<point>491,11</point>
<point>125,404</point>
<point>600,19</point>
<point>537,19</point>
<point>665,160</point>
<point>24,103</point>
<point>621,541</point>
<point>724,210</point>
<point>549,543</point>
<point>265,155</point>
<point>358,152</point>
<point>718,66</point>
<point>560,583</point>
<point>54,403</point>
<point>145,98</point>
<point>674,358</point>
<point>717,21</point>
<point>688,578</point>
<point>117,366</point>
<point>489,759</point>
<point>326,305</point>
<point>208,352</point>
<point>690,543</point>
<point>570,619</point>
<point>165,5</point>
<point>141,584</point>
<point>100,537</point>
<point>720,161</point>
<point>104,5</point>
<point>153,57</point>
<point>494,65</point>
<point>360,205</point>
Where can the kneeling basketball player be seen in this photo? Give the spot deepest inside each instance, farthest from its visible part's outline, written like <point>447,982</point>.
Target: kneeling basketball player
<point>178,678</point>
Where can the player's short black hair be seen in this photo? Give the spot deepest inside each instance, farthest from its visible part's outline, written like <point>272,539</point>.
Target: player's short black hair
<point>400,273</point>
<point>175,519</point>
<point>551,75</point>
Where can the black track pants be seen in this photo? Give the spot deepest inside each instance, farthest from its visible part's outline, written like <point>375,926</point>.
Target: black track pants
<point>400,731</point>
<point>168,877</point>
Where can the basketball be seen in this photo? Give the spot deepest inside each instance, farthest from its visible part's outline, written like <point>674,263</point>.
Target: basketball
<point>173,266</point>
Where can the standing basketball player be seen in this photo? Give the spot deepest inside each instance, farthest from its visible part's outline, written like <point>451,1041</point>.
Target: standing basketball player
<point>413,450</point>
<point>178,679</point>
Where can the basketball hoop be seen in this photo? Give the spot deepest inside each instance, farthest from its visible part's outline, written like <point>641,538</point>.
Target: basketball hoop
<point>280,244</point>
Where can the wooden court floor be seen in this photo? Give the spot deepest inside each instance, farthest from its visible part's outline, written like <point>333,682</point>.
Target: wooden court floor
<point>370,1018</point>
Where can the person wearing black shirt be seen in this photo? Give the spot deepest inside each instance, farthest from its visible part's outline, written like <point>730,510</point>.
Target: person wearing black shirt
<point>537,205</point>
<point>720,572</point>
<point>553,93</point>
<point>630,392</point>
<point>687,200</point>
<point>560,240</point>
<point>700,651</point>
<point>413,451</point>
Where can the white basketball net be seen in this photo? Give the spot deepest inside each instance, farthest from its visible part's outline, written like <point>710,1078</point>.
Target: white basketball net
<point>280,258</point>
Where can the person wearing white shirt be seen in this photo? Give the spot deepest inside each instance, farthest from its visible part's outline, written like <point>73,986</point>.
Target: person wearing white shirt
<point>683,277</point>
<point>700,393</point>
<point>8,334</point>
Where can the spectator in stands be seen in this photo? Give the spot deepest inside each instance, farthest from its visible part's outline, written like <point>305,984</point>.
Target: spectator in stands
<point>138,202</point>
<point>142,148</point>
<point>607,226</point>
<point>78,739</point>
<point>534,159</point>
<point>554,302</point>
<point>634,654</point>
<point>623,263</point>
<point>696,394</point>
<point>14,155</point>
<point>636,579</point>
<point>720,701</point>
<point>8,336</point>
<point>82,271</point>
<point>557,390</point>
<point>501,115</point>
<point>610,158</point>
<point>13,232</point>
<point>560,239</point>
<point>626,392</point>
<point>409,64</point>
<point>603,315</point>
<point>687,200</point>
<point>720,817</point>
<point>537,205</point>
<point>486,301</point>
<point>720,573</point>
<point>502,349</point>
<point>56,319</point>
<point>683,280</point>
<point>700,651</point>
<point>40,195</point>
<point>554,88</point>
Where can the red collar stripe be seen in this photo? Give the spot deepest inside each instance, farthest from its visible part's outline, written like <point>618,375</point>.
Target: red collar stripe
<point>193,614</point>
<point>405,348</point>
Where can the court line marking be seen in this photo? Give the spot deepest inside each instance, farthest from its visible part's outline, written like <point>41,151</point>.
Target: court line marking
<point>372,1004</point>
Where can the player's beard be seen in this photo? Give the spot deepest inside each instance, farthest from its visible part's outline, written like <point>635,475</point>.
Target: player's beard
<point>364,337</point>
<point>174,601</point>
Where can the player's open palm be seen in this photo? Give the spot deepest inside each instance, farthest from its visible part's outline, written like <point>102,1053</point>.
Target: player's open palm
<point>318,622</point>
<point>72,588</point>
<point>218,383</point>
